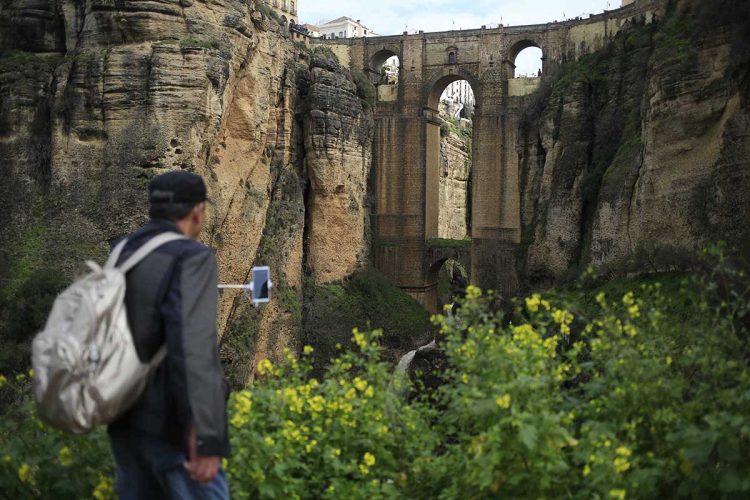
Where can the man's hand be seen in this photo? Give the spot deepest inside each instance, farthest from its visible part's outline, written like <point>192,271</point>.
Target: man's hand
<point>201,469</point>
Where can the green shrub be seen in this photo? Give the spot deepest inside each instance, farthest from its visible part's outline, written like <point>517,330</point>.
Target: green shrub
<point>447,243</point>
<point>367,299</point>
<point>194,43</point>
<point>634,389</point>
<point>37,461</point>
<point>365,89</point>
<point>324,52</point>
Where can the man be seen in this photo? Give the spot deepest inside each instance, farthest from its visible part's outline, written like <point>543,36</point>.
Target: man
<point>170,443</point>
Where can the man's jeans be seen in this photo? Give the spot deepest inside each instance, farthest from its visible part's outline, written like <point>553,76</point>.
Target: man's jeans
<point>148,468</point>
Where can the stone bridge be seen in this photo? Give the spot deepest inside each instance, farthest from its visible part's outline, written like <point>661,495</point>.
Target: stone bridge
<point>407,140</point>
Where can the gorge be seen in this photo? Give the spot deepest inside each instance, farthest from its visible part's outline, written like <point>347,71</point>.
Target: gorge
<point>629,154</point>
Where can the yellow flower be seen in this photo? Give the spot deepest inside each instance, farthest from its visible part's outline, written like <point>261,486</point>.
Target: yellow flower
<point>617,494</point>
<point>105,489</point>
<point>369,392</point>
<point>586,470</point>
<point>20,377</point>
<point>359,338</point>
<point>360,384</point>
<point>669,360</point>
<point>239,420</point>
<point>31,373</point>
<point>562,317</point>
<point>369,459</point>
<point>336,452</point>
<point>623,451</point>
<point>351,393</point>
<point>24,473</point>
<point>465,378</point>
<point>634,311</point>
<point>503,401</point>
<point>269,441</point>
<point>473,292</point>
<point>317,404</point>
<point>309,447</point>
<point>621,464</point>
<point>224,463</point>
<point>363,469</point>
<point>533,302</point>
<point>307,350</point>
<point>601,299</point>
<point>3,380</point>
<point>243,404</point>
<point>65,456</point>
<point>265,367</point>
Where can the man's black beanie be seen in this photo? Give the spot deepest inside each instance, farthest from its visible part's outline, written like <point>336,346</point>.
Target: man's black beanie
<point>177,187</point>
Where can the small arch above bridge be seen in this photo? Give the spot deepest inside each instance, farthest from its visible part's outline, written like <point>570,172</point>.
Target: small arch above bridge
<point>436,87</point>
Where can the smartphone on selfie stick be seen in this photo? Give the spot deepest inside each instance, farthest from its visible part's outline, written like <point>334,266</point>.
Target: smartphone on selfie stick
<point>259,289</point>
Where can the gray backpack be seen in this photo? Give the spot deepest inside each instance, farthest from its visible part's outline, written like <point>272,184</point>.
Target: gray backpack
<point>86,368</point>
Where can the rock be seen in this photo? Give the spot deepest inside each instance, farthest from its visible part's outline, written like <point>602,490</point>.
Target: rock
<point>455,167</point>
<point>628,166</point>
<point>338,143</point>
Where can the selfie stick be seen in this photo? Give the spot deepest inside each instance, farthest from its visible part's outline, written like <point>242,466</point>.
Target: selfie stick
<point>248,288</point>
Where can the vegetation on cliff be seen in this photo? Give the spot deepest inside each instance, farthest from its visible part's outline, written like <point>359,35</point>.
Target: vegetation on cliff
<point>604,144</point>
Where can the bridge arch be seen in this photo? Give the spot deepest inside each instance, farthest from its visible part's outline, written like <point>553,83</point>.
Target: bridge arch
<point>436,192</point>
<point>458,275</point>
<point>378,59</point>
<point>437,85</point>
<point>517,48</point>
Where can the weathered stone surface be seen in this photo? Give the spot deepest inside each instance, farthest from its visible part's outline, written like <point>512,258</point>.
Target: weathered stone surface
<point>455,167</point>
<point>642,148</point>
<point>338,145</point>
<point>99,96</point>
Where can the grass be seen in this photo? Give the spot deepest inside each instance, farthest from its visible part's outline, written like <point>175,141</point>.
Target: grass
<point>447,243</point>
<point>367,299</point>
<point>194,43</point>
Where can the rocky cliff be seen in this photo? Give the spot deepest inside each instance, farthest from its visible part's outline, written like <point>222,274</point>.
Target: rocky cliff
<point>100,96</point>
<point>454,188</point>
<point>637,156</point>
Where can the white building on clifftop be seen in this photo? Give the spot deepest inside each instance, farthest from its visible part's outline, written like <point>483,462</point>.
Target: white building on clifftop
<point>345,27</point>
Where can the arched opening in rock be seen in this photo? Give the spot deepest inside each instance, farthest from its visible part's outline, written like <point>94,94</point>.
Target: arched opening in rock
<point>384,68</point>
<point>449,159</point>
<point>528,60</point>
<point>449,279</point>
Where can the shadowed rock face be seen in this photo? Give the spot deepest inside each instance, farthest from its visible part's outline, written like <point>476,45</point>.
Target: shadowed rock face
<point>455,167</point>
<point>338,145</point>
<point>97,97</point>
<point>640,152</point>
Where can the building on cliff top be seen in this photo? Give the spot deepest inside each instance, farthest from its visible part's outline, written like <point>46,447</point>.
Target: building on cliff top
<point>286,9</point>
<point>345,27</point>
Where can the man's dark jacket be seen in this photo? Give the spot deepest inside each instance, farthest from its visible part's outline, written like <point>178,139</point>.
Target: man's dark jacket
<point>171,296</point>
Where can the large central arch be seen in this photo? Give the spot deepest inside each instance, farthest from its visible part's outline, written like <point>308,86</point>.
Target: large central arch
<point>435,89</point>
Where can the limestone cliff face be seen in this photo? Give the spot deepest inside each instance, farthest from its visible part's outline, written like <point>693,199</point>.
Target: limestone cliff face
<point>338,146</point>
<point>642,149</point>
<point>455,167</point>
<point>97,97</point>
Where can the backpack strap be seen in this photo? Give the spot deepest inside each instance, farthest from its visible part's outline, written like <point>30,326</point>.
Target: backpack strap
<point>158,357</point>
<point>114,256</point>
<point>149,247</point>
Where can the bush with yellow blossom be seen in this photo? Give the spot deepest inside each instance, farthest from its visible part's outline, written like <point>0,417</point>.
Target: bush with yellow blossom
<point>633,389</point>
